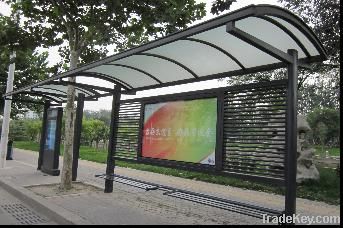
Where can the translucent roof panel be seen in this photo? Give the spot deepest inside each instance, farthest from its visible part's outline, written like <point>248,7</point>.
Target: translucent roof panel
<point>244,53</point>
<point>249,40</point>
<point>60,89</point>
<point>183,51</point>
<point>129,76</point>
<point>302,38</point>
<point>165,70</point>
<point>283,41</point>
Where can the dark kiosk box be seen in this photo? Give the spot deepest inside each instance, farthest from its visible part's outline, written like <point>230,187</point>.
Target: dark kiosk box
<point>52,141</point>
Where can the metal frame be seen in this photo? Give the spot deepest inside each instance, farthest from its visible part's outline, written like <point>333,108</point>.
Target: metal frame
<point>177,97</point>
<point>43,134</point>
<point>291,136</point>
<point>112,139</point>
<point>249,11</point>
<point>77,134</point>
<point>289,181</point>
<point>289,60</point>
<point>276,53</point>
<point>208,93</point>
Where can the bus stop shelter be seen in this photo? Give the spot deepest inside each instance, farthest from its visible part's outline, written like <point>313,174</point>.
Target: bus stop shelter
<point>253,39</point>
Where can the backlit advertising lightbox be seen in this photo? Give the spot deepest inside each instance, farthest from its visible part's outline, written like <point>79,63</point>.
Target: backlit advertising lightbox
<point>51,152</point>
<point>182,130</point>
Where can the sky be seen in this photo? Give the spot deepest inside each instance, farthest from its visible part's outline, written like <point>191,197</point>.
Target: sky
<point>104,103</point>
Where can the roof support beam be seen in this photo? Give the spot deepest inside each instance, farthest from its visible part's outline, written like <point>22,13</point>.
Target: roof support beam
<point>41,94</point>
<point>40,87</point>
<point>101,95</point>
<point>49,94</point>
<point>260,44</point>
<point>90,88</point>
<point>106,77</point>
<point>170,60</point>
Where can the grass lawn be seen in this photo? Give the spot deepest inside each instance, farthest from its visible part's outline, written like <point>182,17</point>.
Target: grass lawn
<point>332,151</point>
<point>327,189</point>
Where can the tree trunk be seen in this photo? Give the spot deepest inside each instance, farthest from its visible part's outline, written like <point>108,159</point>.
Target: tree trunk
<point>66,177</point>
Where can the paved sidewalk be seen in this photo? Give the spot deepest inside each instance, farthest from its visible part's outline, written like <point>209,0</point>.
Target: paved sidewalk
<point>130,205</point>
<point>15,212</point>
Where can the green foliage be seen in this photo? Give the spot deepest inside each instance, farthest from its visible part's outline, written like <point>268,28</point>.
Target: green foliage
<point>21,130</point>
<point>17,131</point>
<point>220,6</point>
<point>325,124</point>
<point>335,151</point>
<point>319,86</point>
<point>103,115</point>
<point>13,37</point>
<point>324,17</point>
<point>88,26</point>
<point>326,189</point>
<point>30,66</point>
<point>320,90</point>
<point>33,129</point>
<point>94,131</point>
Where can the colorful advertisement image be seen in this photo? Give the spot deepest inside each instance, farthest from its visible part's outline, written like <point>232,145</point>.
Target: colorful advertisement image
<point>181,131</point>
<point>51,135</point>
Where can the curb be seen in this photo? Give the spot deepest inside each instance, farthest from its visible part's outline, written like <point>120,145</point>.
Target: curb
<point>52,211</point>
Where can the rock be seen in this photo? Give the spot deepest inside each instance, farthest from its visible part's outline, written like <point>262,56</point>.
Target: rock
<point>306,169</point>
<point>303,126</point>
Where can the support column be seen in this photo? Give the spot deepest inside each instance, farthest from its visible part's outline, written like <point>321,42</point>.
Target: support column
<point>112,139</point>
<point>291,136</point>
<point>219,155</point>
<point>77,134</point>
<point>42,137</point>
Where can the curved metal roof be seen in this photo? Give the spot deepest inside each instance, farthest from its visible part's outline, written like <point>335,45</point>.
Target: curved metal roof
<point>252,39</point>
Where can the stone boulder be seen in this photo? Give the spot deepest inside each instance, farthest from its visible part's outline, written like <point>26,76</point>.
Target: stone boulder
<point>306,169</point>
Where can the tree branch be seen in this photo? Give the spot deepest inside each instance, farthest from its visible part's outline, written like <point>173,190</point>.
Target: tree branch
<point>65,23</point>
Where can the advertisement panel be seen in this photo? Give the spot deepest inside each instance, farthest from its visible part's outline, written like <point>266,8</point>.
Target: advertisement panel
<point>182,130</point>
<point>51,135</point>
<point>52,140</point>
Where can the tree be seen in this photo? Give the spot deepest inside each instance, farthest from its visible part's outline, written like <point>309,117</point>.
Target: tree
<point>324,17</point>
<point>318,86</point>
<point>17,131</point>
<point>320,91</point>
<point>99,131</point>
<point>322,131</point>
<point>328,117</point>
<point>103,115</point>
<point>30,65</point>
<point>220,6</point>
<point>33,128</point>
<point>86,27</point>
